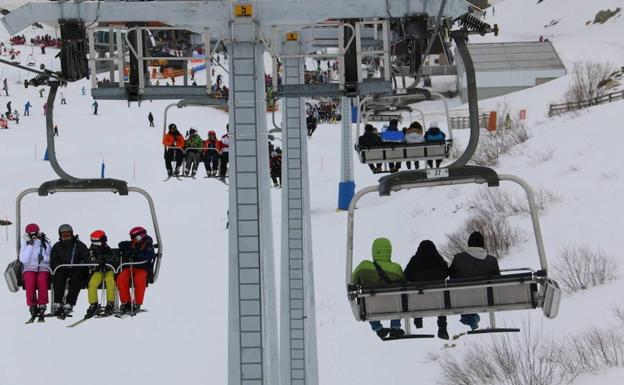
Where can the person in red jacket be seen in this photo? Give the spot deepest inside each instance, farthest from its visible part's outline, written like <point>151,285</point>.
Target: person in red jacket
<point>211,154</point>
<point>174,145</point>
<point>223,146</point>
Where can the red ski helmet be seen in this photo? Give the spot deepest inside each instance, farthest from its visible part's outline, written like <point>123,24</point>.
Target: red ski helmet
<point>98,238</point>
<point>31,228</point>
<point>211,132</point>
<point>137,233</point>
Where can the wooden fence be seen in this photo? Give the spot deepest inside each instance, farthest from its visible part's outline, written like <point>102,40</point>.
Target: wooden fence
<point>558,109</point>
<point>461,122</point>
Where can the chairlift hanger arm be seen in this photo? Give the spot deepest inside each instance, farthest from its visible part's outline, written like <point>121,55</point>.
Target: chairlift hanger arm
<point>83,185</point>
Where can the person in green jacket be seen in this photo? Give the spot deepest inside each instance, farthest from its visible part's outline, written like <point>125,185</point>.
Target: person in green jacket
<point>379,271</point>
<point>193,146</point>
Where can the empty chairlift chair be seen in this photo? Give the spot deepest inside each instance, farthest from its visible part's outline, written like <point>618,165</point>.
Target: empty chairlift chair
<point>515,289</point>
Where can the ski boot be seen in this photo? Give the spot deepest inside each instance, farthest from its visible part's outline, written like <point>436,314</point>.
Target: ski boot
<point>124,308</point>
<point>34,311</point>
<point>93,310</point>
<point>58,310</point>
<point>396,333</point>
<point>442,332</point>
<point>109,309</point>
<point>68,309</point>
<point>383,333</point>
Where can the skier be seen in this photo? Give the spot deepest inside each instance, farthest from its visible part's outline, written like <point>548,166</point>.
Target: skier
<point>102,254</point>
<point>211,154</point>
<point>474,262</point>
<point>276,167</point>
<point>83,90</point>
<point>9,109</point>
<point>428,265</point>
<point>56,133</point>
<point>16,116</point>
<point>223,146</point>
<point>174,143</point>
<point>193,148</point>
<point>139,249</point>
<point>371,138</point>
<point>95,107</point>
<point>27,108</point>
<point>150,118</point>
<point>5,87</point>
<point>35,257</point>
<point>434,134</point>
<point>69,250</point>
<point>311,124</point>
<point>41,92</point>
<point>63,100</point>
<point>381,270</point>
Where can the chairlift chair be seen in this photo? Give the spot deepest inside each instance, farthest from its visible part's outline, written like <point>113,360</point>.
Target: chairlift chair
<point>30,60</point>
<point>403,152</point>
<point>515,289</point>
<point>86,186</point>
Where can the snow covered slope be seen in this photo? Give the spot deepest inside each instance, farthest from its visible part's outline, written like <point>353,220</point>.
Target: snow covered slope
<point>183,339</point>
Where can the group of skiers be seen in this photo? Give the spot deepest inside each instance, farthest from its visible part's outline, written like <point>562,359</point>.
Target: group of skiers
<point>193,149</point>
<point>67,259</point>
<point>424,266</point>
<point>412,134</point>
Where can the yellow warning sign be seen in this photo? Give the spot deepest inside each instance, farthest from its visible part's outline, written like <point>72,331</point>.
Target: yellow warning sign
<point>243,10</point>
<point>292,36</point>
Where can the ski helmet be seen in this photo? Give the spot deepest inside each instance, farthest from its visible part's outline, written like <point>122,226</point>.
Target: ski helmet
<point>65,228</point>
<point>31,228</point>
<point>172,126</point>
<point>137,233</point>
<point>212,133</point>
<point>192,131</point>
<point>98,238</point>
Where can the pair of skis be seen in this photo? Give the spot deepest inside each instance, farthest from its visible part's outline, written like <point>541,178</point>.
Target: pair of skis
<point>102,315</point>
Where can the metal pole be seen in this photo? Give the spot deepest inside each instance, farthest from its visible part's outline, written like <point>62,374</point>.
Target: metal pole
<point>252,314</point>
<point>346,188</point>
<point>297,312</point>
<point>120,59</point>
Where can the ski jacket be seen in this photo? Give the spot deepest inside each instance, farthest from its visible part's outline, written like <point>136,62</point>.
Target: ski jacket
<point>71,252</point>
<point>434,134</point>
<point>138,252</point>
<point>474,262</point>
<point>173,140</point>
<point>194,141</point>
<point>103,255</point>
<point>370,139</point>
<point>210,144</point>
<point>429,266</point>
<point>366,273</point>
<point>224,144</point>
<point>412,135</point>
<point>391,135</point>
<point>30,252</point>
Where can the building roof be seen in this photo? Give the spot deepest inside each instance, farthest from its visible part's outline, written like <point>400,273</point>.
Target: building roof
<point>514,56</point>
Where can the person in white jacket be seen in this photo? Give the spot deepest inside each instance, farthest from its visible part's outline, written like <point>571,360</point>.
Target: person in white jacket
<point>35,256</point>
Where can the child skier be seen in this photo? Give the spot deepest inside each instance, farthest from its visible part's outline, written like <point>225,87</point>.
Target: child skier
<point>102,254</point>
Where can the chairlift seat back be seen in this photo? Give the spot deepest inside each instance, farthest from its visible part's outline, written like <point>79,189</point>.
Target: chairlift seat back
<point>401,152</point>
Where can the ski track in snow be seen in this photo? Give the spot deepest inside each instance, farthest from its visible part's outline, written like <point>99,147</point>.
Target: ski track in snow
<point>183,338</point>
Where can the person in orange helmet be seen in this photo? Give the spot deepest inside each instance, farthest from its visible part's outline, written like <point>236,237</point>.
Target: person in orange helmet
<point>174,145</point>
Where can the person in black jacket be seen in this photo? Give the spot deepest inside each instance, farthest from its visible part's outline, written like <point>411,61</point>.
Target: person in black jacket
<point>311,124</point>
<point>428,265</point>
<point>473,263</point>
<point>68,251</point>
<point>371,138</point>
<point>107,260</point>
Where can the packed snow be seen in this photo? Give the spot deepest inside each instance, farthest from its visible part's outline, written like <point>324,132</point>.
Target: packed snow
<point>183,337</point>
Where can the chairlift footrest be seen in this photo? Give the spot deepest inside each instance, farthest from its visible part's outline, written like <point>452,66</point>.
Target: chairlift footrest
<point>409,336</point>
<point>494,330</point>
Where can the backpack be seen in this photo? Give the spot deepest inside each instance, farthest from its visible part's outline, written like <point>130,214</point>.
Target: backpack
<point>13,275</point>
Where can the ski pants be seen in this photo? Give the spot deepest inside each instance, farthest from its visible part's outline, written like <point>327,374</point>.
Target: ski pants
<point>74,278</point>
<point>95,283</point>
<point>211,160</point>
<point>225,157</point>
<point>438,161</point>
<point>192,161</point>
<point>377,326</point>
<point>173,154</point>
<point>139,278</point>
<point>36,287</point>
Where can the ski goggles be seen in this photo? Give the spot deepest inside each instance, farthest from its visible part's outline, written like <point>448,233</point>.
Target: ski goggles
<point>33,235</point>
